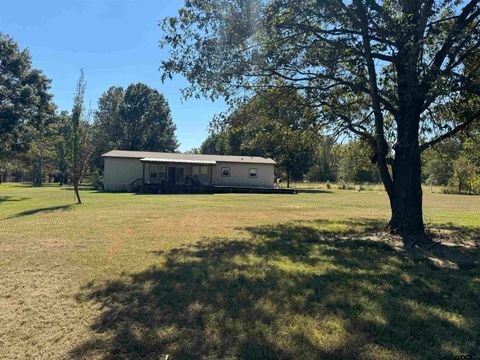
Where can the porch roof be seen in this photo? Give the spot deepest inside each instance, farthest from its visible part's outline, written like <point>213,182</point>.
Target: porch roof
<point>188,157</point>
<point>179,161</point>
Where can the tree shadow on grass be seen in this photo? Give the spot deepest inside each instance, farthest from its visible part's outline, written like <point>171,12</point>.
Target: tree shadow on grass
<point>88,188</point>
<point>41,210</point>
<point>314,290</point>
<point>12,198</point>
<point>28,184</point>
<point>314,191</point>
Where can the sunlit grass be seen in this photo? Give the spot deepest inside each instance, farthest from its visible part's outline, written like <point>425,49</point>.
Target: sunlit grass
<point>229,276</point>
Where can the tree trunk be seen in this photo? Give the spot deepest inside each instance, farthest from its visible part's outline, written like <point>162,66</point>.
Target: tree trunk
<point>406,193</point>
<point>406,186</point>
<point>38,172</point>
<point>77,194</point>
<point>407,214</point>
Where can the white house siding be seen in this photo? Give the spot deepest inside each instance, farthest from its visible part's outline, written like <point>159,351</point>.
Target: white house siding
<point>120,172</point>
<point>239,175</point>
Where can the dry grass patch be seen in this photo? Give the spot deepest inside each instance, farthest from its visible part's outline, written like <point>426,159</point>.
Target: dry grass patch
<point>231,276</point>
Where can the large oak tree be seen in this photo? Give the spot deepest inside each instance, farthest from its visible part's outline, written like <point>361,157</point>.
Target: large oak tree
<point>395,73</point>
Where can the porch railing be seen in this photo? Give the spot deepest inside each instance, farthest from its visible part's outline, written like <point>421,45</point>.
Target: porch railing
<point>136,185</point>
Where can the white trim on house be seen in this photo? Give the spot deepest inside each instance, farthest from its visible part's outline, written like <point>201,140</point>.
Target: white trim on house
<point>179,161</point>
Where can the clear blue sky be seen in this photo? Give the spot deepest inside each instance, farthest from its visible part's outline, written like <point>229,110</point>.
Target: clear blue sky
<point>116,42</point>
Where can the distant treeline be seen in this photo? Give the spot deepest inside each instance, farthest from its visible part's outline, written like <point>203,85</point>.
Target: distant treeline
<point>278,122</point>
<point>40,143</point>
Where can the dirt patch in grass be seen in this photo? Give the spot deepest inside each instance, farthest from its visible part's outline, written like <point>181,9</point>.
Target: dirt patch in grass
<point>452,247</point>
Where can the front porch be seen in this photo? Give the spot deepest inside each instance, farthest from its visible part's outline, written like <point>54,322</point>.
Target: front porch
<point>168,176</point>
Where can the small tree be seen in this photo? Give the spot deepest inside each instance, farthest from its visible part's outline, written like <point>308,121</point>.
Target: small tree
<point>80,142</point>
<point>463,174</point>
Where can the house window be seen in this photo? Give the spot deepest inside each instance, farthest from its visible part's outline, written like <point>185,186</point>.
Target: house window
<point>199,170</point>
<point>252,172</point>
<point>225,171</point>
<point>203,170</point>
<point>157,172</point>
<point>200,175</point>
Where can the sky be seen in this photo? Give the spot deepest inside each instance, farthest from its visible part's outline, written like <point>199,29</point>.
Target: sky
<point>116,42</point>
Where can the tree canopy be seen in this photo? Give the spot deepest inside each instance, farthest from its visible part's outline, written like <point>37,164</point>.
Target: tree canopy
<point>37,142</point>
<point>135,118</point>
<point>25,101</point>
<point>395,73</point>
<point>273,123</point>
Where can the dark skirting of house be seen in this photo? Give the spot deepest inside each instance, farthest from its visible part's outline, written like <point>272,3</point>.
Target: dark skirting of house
<point>141,188</point>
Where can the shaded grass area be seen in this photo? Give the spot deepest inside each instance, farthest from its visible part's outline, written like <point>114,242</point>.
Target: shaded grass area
<point>232,276</point>
<point>314,290</point>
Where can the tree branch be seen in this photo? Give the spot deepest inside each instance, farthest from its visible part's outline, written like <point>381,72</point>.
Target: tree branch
<point>461,22</point>
<point>450,133</point>
<point>381,143</point>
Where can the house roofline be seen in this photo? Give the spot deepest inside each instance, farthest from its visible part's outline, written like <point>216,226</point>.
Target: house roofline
<point>241,160</point>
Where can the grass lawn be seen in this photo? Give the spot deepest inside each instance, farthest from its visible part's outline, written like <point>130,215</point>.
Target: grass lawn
<point>245,276</point>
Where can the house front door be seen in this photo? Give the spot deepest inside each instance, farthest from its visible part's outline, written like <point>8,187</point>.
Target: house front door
<point>171,175</point>
<point>175,175</point>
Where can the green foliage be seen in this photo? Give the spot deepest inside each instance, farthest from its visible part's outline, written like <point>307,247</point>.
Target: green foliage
<point>61,148</point>
<point>464,175</point>
<point>348,162</point>
<point>25,103</point>
<point>455,163</point>
<point>390,72</point>
<point>325,162</point>
<point>438,161</point>
<point>227,48</point>
<point>136,118</point>
<point>79,147</point>
<point>41,151</point>
<point>354,164</point>
<point>217,144</point>
<point>273,123</point>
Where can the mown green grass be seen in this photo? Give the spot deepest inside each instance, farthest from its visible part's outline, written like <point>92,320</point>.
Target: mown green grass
<point>231,276</point>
